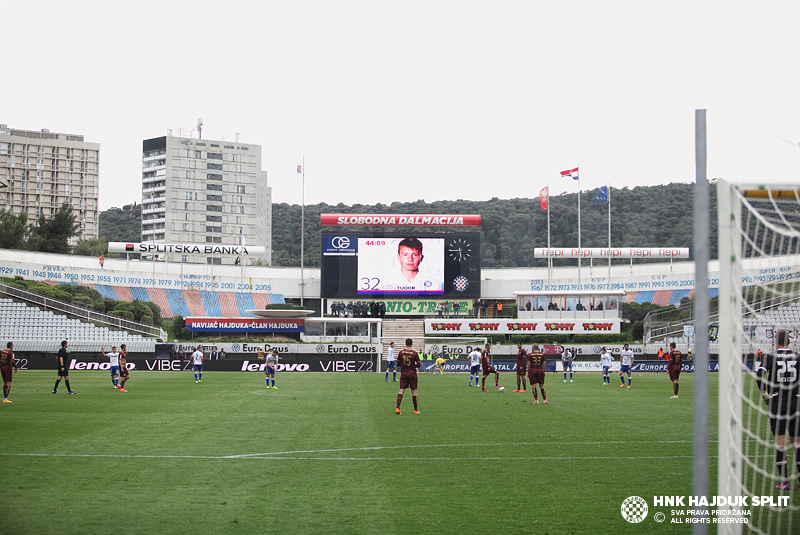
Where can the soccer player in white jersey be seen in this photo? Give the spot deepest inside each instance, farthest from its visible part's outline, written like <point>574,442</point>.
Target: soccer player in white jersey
<point>197,361</point>
<point>113,361</point>
<point>605,363</point>
<point>566,361</point>
<point>271,367</point>
<point>625,365</point>
<point>474,366</point>
<point>391,363</point>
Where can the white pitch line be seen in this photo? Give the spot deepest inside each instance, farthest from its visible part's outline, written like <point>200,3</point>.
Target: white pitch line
<point>284,454</point>
<point>212,458</point>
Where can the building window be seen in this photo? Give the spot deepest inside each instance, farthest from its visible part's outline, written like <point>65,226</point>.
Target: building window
<point>189,195</point>
<point>185,258</point>
<point>214,145</point>
<point>186,206</point>
<point>213,229</point>
<point>214,187</point>
<point>214,166</point>
<point>185,227</point>
<point>214,156</point>
<point>213,208</point>
<point>214,176</point>
<point>240,189</point>
<point>214,218</point>
<point>238,219</point>
<point>198,154</point>
<point>213,239</point>
<point>237,199</point>
<point>215,261</point>
<point>214,198</point>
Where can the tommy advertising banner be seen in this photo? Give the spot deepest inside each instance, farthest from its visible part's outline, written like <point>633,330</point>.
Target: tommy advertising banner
<point>512,326</point>
<point>400,220</point>
<point>251,325</point>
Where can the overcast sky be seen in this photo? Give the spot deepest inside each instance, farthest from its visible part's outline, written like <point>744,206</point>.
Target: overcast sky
<point>417,100</point>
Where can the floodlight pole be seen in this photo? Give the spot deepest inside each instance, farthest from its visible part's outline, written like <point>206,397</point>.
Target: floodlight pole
<point>701,245</point>
<point>302,232</point>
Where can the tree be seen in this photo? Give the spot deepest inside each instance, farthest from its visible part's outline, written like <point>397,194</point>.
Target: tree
<point>123,224</point>
<point>13,230</point>
<point>52,235</point>
<point>91,247</point>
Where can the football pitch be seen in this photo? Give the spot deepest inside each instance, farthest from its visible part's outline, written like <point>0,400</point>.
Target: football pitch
<point>325,453</point>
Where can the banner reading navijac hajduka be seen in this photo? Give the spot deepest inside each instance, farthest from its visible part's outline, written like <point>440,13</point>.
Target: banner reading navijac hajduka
<point>609,252</point>
<point>250,325</point>
<point>186,248</point>
<point>515,326</point>
<point>400,220</point>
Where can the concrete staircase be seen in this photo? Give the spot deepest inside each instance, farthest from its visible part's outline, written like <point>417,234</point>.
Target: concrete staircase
<point>397,330</point>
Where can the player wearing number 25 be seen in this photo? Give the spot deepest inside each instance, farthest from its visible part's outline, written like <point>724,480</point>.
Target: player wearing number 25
<point>409,364</point>
<point>779,384</point>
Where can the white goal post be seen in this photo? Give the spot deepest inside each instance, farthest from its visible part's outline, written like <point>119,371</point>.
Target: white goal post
<point>759,256</point>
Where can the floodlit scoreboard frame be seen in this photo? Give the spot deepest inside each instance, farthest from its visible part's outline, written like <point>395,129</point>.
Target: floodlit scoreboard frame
<point>363,264</point>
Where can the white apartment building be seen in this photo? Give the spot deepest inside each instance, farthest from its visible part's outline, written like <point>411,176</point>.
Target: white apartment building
<point>39,170</point>
<point>206,192</point>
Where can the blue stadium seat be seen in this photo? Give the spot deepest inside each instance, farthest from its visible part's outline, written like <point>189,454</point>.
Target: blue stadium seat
<point>245,302</point>
<point>645,297</point>
<point>106,291</point>
<point>211,303</point>
<point>176,302</point>
<point>677,295</point>
<point>140,294</point>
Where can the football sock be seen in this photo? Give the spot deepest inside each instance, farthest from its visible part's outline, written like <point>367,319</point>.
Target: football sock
<point>68,388</point>
<point>273,382</point>
<point>524,386</point>
<point>414,399</point>
<point>387,375</point>
<point>399,399</point>
<point>565,376</point>
<point>200,378</point>
<point>267,381</point>
<point>195,376</point>
<point>5,391</point>
<point>629,380</point>
<point>394,375</point>
<point>780,461</point>
<point>544,396</point>
<point>55,388</point>
<point>622,378</point>
<point>675,388</point>
<point>570,376</point>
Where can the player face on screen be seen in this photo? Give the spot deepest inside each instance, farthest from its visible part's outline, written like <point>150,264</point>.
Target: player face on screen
<point>409,254</point>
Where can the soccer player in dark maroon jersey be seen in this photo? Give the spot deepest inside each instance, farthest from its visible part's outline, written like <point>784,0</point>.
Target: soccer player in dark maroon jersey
<point>536,372</point>
<point>7,363</point>
<point>409,362</point>
<point>674,367</point>
<point>124,374</point>
<point>488,368</point>
<point>779,383</point>
<point>522,367</point>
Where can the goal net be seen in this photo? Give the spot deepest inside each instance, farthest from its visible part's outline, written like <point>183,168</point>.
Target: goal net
<point>453,349</point>
<point>759,255</point>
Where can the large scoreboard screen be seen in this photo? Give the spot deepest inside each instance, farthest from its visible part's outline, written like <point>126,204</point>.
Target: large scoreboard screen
<point>358,265</point>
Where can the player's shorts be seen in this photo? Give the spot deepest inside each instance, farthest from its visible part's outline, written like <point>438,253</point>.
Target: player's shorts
<point>123,371</point>
<point>114,370</point>
<point>489,370</point>
<point>391,364</point>
<point>605,369</point>
<point>521,371</point>
<point>567,365</point>
<point>625,368</point>
<point>6,373</point>
<point>269,371</point>
<point>475,370</point>
<point>408,381</point>
<point>784,419</point>
<point>674,372</point>
<point>536,376</point>
<point>197,368</point>
<point>63,372</point>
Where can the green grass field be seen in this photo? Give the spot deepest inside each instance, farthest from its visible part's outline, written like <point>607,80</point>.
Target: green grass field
<point>325,453</point>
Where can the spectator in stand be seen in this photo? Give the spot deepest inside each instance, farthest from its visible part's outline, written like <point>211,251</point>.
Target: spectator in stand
<point>599,306</point>
<point>484,308</point>
<point>221,354</point>
<point>456,307</point>
<point>499,308</point>
<point>383,309</point>
<point>214,355</point>
<point>660,353</point>
<point>476,307</point>
<point>579,307</point>
<point>528,306</point>
<point>446,307</point>
<point>439,309</point>
<point>181,354</point>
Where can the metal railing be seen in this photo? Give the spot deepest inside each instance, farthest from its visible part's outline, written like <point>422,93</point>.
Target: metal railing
<point>83,313</point>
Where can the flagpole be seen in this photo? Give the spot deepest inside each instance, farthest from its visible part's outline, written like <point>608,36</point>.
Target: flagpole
<point>549,258</point>
<point>579,228</point>
<point>302,232</point>
<point>608,192</point>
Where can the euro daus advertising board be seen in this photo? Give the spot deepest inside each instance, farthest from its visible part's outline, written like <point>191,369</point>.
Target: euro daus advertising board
<point>373,265</point>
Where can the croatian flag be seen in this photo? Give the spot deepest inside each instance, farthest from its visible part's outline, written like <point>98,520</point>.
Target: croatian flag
<point>572,173</point>
<point>543,198</point>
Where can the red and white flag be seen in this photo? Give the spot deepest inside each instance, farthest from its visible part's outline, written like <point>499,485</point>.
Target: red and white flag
<point>571,173</point>
<point>299,169</point>
<point>544,198</point>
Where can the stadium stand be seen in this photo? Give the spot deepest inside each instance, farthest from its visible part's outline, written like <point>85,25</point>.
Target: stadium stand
<point>245,302</point>
<point>227,304</point>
